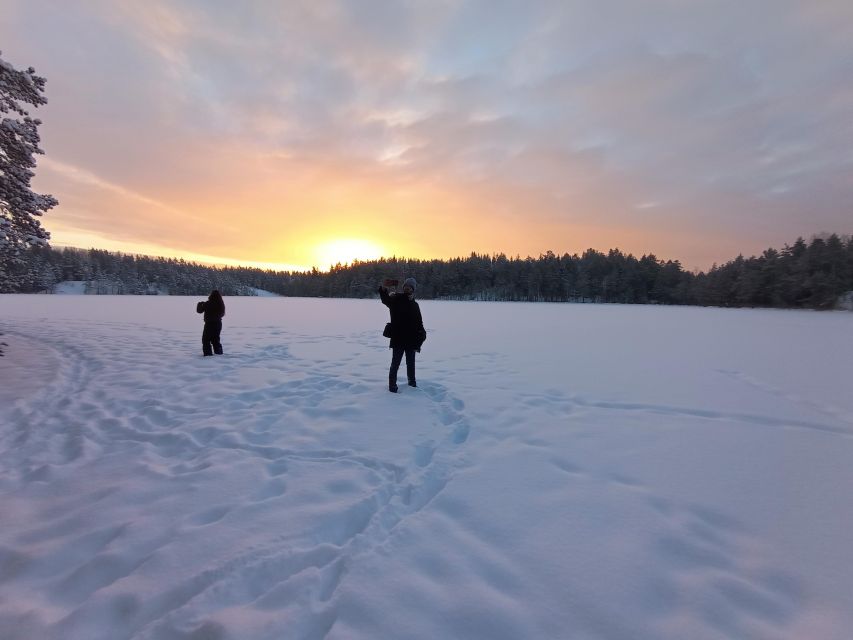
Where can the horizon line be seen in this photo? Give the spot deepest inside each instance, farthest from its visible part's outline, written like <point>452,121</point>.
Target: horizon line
<point>275,267</point>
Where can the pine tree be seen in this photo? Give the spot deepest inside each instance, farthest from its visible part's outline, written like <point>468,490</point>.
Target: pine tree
<point>20,207</point>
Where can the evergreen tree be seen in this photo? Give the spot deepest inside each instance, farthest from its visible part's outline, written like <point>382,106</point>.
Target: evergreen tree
<point>20,207</point>
<point>814,275</point>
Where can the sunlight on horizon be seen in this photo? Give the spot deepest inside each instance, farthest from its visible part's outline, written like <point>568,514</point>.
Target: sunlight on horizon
<point>345,251</point>
<point>87,241</point>
<point>324,254</point>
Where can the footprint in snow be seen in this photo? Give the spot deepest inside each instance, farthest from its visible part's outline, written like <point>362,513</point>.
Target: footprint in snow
<point>209,516</point>
<point>424,453</point>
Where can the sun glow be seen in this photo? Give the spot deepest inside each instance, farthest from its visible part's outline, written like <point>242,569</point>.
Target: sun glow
<point>344,251</point>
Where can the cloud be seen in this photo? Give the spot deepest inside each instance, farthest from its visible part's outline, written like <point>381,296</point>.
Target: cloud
<point>255,129</point>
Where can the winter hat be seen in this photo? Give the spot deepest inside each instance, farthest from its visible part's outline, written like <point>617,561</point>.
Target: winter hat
<point>411,282</point>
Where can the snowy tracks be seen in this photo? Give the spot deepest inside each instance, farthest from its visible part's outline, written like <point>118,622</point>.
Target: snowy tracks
<point>595,479</point>
<point>149,492</point>
<point>650,506</point>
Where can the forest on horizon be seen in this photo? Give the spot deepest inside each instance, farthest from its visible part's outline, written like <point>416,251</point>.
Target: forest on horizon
<point>816,275</point>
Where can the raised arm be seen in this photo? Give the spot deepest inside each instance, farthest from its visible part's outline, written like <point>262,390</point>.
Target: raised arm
<point>384,297</point>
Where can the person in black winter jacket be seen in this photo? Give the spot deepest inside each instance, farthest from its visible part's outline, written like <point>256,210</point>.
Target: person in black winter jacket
<point>213,310</point>
<point>407,330</point>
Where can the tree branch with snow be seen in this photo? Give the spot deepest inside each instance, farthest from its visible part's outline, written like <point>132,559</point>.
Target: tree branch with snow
<point>20,206</point>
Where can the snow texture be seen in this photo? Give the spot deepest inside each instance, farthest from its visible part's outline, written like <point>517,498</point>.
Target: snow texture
<point>561,471</point>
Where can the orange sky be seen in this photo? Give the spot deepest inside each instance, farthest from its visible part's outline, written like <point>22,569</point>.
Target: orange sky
<point>294,135</point>
<point>294,218</point>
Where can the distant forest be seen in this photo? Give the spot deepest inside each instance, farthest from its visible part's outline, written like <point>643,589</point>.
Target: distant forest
<point>816,275</point>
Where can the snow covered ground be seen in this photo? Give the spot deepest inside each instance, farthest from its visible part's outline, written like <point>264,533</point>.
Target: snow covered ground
<point>562,471</point>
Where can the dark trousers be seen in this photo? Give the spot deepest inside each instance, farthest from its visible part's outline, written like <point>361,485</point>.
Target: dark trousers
<point>210,336</point>
<point>396,359</point>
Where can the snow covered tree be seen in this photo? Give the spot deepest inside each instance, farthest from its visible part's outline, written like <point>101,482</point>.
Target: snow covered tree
<point>20,207</point>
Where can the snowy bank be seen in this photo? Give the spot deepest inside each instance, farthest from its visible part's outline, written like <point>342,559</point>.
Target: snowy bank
<point>70,287</point>
<point>83,287</point>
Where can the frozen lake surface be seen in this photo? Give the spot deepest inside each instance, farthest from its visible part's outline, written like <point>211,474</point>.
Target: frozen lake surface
<point>562,471</point>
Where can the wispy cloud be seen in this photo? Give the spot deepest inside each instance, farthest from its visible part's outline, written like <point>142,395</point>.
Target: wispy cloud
<point>89,179</point>
<point>257,130</point>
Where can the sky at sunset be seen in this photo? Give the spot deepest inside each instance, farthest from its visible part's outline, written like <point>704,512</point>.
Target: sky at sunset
<point>292,134</point>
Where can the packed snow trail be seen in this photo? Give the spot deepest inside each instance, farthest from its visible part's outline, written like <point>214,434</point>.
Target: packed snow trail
<point>608,486</point>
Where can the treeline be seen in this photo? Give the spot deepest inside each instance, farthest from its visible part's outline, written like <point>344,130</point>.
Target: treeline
<point>814,274</point>
<point>39,269</point>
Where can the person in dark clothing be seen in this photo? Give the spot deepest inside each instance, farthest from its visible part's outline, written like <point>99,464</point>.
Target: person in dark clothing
<point>213,310</point>
<point>407,330</point>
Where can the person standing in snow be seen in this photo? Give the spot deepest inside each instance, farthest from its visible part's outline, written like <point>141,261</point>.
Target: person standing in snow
<point>213,310</point>
<point>407,330</point>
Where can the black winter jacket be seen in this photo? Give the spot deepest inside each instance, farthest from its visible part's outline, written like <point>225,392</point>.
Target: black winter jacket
<point>407,326</point>
<point>211,310</point>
